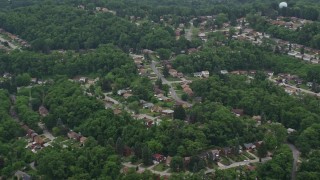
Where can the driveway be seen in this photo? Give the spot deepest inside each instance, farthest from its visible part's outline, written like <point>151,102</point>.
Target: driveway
<point>188,32</point>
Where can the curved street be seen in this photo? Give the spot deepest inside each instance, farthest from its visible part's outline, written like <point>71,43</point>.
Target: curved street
<point>296,154</point>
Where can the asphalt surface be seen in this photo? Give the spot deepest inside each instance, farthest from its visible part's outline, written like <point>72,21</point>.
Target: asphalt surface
<point>295,154</point>
<point>165,81</point>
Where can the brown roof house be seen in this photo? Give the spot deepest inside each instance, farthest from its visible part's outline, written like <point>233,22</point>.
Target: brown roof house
<point>158,158</point>
<point>238,112</point>
<point>43,111</point>
<point>74,135</point>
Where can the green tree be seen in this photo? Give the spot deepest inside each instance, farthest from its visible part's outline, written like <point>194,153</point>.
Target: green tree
<point>165,71</point>
<point>23,79</point>
<point>262,151</point>
<point>176,164</point>
<point>164,54</point>
<point>179,113</point>
<point>146,156</point>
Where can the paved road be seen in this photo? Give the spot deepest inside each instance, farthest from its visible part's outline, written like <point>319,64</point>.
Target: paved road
<point>16,118</point>
<point>221,166</point>
<point>242,163</point>
<point>298,89</point>
<point>107,98</point>
<point>161,173</point>
<point>138,116</point>
<point>296,154</point>
<point>165,81</point>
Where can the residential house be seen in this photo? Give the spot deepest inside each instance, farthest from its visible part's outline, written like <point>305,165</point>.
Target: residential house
<point>161,97</point>
<point>167,112</point>
<point>257,119</point>
<point>186,161</point>
<point>83,80</point>
<point>258,144</point>
<point>238,112</point>
<point>290,90</point>
<point>180,75</point>
<point>158,158</point>
<point>188,91</point>
<point>197,74</point>
<point>148,105</point>
<point>298,55</point>
<point>121,92</point>
<point>74,135</point>
<point>249,146</point>
<point>173,72</point>
<point>6,75</point>
<point>192,50</point>
<point>205,74</point>
<point>33,136</point>
<point>83,140</point>
<point>224,72</point>
<point>309,84</point>
<point>148,122</point>
<point>127,95</point>
<point>226,151</point>
<point>202,35</point>
<point>290,130</point>
<point>215,154</point>
<point>117,111</point>
<point>38,140</point>
<point>306,57</point>
<point>251,168</point>
<point>147,51</point>
<point>43,111</point>
<point>20,175</point>
<point>157,109</point>
<point>127,151</point>
<point>34,80</point>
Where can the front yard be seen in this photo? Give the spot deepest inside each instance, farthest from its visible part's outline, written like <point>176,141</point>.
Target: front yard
<point>160,167</point>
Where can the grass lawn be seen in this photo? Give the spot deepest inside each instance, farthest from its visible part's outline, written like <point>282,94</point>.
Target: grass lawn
<point>213,165</point>
<point>255,153</point>
<point>165,104</point>
<point>238,158</point>
<point>170,78</point>
<point>192,78</point>
<point>153,57</point>
<point>126,159</point>
<point>160,167</point>
<point>225,161</point>
<point>245,153</point>
<point>304,86</point>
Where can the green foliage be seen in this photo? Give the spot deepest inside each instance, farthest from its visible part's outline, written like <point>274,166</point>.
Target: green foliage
<point>309,169</point>
<point>78,163</point>
<point>23,79</point>
<point>309,139</point>
<point>179,113</point>
<point>176,163</point>
<point>279,167</point>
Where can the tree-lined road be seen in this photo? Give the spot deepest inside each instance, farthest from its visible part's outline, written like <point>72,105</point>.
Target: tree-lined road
<point>165,81</point>
<point>296,154</point>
